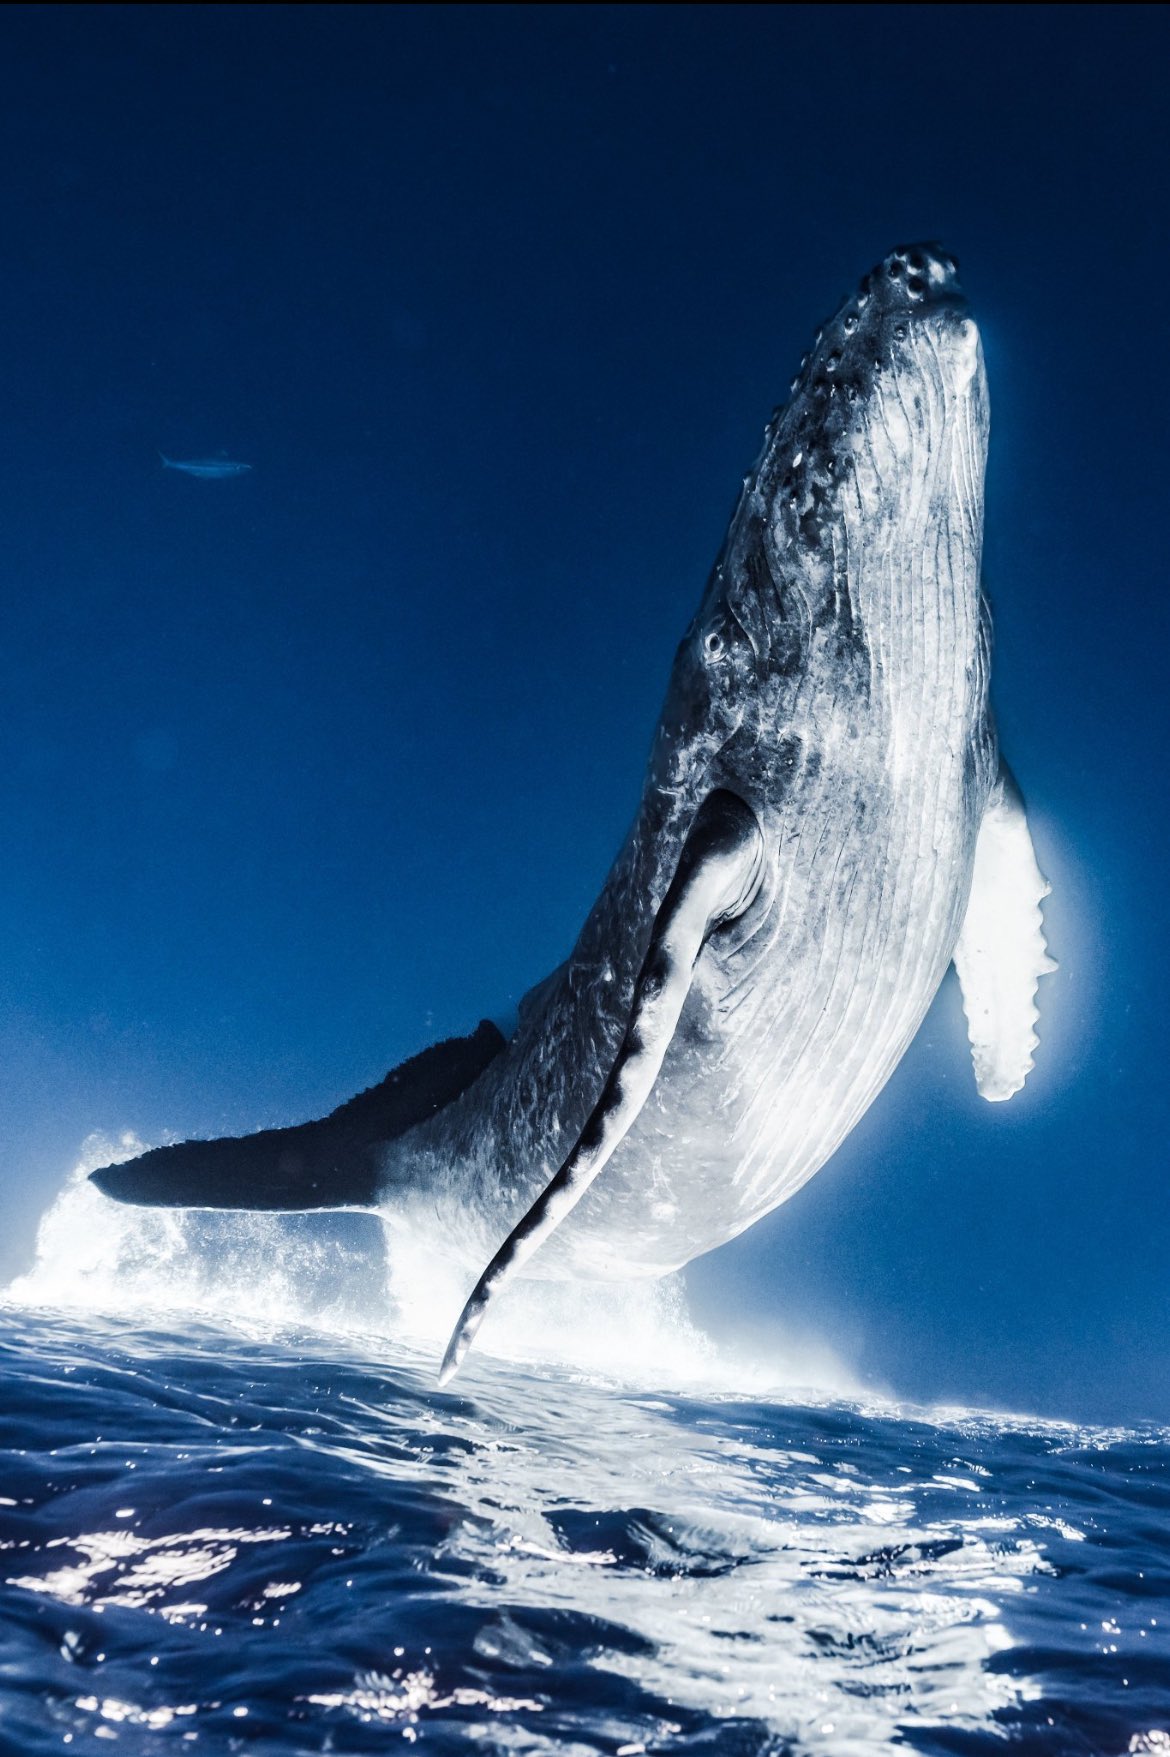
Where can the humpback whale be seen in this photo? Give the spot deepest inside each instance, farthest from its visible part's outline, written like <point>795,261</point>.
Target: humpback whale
<point>826,824</point>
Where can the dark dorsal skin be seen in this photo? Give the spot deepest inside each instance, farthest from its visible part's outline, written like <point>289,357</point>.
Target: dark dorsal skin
<point>833,691</point>
<point>311,1165</point>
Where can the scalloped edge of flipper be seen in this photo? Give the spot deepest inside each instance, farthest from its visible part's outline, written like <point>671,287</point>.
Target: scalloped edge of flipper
<point>1001,952</point>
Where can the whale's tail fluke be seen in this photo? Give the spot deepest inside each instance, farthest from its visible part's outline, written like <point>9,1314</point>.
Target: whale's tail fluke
<point>333,1163</point>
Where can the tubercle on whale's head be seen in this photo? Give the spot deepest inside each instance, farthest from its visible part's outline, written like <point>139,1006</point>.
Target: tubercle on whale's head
<point>891,377</point>
<point>886,427</point>
<point>884,434</point>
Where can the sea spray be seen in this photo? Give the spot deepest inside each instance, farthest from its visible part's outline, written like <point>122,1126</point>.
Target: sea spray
<point>266,1269</point>
<point>352,1274</point>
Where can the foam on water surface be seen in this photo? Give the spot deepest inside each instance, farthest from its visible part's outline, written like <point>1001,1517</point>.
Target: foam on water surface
<point>200,1529</point>
<point>234,1507</point>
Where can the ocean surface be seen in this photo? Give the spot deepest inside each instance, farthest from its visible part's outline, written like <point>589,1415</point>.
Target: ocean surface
<point>236,1515</point>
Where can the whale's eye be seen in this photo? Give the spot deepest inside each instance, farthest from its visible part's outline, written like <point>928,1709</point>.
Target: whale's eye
<point>714,645</point>
<point>900,331</point>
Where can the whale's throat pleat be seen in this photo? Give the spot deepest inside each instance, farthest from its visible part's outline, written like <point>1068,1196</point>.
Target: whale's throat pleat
<point>875,840</point>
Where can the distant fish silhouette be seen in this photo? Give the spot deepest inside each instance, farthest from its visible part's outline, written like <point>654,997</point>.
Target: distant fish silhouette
<point>207,469</point>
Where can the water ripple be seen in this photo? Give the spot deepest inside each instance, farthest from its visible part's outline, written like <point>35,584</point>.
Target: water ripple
<point>296,1544</point>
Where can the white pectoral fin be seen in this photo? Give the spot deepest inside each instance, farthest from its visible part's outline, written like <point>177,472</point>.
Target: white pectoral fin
<point>718,875</point>
<point>1001,954</point>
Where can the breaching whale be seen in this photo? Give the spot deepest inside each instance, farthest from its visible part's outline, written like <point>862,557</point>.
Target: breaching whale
<point>826,823</point>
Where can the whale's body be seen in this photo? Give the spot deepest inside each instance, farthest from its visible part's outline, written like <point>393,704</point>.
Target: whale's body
<point>825,825</point>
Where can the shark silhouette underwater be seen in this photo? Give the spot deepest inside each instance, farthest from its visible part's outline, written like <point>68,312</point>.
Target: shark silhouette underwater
<point>825,825</point>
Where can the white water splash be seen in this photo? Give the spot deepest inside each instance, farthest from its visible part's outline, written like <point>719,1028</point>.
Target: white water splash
<point>346,1273</point>
<point>267,1269</point>
<point>635,1333</point>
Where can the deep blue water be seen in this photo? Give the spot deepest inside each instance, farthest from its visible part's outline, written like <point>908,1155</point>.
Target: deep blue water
<point>222,1538</point>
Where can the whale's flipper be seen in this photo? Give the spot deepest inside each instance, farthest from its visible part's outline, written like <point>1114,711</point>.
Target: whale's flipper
<point>333,1163</point>
<point>718,876</point>
<point>1001,953</point>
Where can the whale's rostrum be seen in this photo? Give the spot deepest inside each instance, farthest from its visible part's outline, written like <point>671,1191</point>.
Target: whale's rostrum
<point>824,825</point>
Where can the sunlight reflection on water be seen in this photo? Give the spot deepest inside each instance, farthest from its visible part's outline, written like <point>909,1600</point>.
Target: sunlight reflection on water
<point>280,1522</point>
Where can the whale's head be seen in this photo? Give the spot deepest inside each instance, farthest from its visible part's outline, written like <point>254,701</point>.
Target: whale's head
<point>887,420</point>
<point>870,473</point>
<point>886,429</point>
